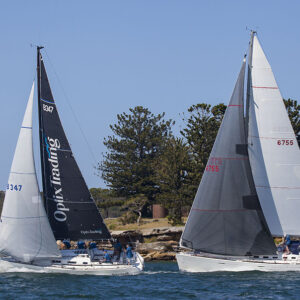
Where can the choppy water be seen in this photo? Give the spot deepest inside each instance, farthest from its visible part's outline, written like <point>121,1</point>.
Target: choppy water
<point>160,281</point>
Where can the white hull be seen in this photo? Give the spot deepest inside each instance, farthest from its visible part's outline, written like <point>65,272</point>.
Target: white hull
<point>67,266</point>
<point>189,262</point>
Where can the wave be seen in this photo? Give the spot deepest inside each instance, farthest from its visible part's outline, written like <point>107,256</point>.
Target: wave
<point>158,272</point>
<point>9,269</point>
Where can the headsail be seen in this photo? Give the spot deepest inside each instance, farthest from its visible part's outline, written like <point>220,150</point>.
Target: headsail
<point>273,149</point>
<point>226,217</point>
<point>25,232</point>
<point>71,209</point>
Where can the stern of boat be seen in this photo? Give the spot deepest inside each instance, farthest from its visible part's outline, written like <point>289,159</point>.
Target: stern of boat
<point>140,264</point>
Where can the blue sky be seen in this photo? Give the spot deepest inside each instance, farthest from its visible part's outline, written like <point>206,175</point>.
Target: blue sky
<point>107,56</point>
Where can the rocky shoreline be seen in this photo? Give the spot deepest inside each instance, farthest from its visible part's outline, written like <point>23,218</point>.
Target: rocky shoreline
<point>153,244</point>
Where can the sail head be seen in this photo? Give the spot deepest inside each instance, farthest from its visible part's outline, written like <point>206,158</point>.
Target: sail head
<point>226,217</point>
<point>71,209</point>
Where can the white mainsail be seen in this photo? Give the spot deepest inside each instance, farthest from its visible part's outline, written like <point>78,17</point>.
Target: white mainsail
<point>273,149</point>
<point>25,233</point>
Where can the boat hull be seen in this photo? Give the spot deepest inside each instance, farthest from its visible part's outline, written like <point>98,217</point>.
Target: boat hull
<point>105,269</point>
<point>189,262</point>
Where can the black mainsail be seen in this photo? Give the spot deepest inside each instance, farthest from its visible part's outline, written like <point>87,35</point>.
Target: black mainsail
<point>226,217</point>
<point>70,207</point>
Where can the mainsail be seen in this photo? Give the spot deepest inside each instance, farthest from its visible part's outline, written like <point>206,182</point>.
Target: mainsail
<point>273,149</point>
<point>226,217</point>
<point>25,232</point>
<point>71,209</point>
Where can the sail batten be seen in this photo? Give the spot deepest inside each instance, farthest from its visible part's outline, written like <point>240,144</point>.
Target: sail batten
<point>226,217</point>
<point>71,209</point>
<point>273,148</point>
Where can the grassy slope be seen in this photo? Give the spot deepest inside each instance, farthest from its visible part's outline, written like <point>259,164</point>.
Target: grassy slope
<point>115,224</point>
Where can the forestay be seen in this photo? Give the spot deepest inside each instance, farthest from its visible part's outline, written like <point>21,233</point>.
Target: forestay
<point>71,210</point>
<point>226,217</point>
<point>25,232</point>
<point>273,149</point>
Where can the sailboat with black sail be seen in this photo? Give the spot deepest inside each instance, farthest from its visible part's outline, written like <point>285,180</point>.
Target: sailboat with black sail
<point>28,232</point>
<point>250,189</point>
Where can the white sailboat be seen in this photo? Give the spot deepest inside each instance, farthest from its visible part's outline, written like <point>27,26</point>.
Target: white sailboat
<point>250,191</point>
<point>27,233</point>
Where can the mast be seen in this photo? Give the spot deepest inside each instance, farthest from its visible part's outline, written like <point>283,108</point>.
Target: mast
<point>248,97</point>
<point>38,69</point>
<point>249,81</point>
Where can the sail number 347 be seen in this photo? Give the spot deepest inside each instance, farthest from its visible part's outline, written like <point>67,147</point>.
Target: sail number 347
<point>47,108</point>
<point>285,142</point>
<point>14,187</point>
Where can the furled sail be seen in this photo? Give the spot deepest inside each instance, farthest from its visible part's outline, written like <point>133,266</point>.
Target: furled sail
<point>71,209</point>
<point>273,149</point>
<point>226,217</point>
<point>25,232</point>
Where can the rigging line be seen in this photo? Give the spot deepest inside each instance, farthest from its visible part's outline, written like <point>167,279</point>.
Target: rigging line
<point>71,108</point>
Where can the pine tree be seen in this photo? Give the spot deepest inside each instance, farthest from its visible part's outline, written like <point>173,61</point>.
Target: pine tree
<point>172,171</point>
<point>293,109</point>
<point>202,127</point>
<point>138,140</point>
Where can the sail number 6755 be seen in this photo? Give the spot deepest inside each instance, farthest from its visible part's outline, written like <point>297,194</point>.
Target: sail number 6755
<point>285,142</point>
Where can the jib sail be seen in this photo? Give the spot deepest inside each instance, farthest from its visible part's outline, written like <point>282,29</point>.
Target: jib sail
<point>71,209</point>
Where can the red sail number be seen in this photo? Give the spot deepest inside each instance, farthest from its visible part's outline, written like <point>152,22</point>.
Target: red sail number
<point>285,142</point>
<point>212,168</point>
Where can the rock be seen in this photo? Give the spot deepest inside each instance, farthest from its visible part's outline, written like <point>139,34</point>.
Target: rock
<point>156,255</point>
<point>162,230</point>
<point>127,233</point>
<point>156,246</point>
<point>164,256</point>
<point>164,237</point>
<point>163,233</point>
<point>149,256</point>
<point>127,236</point>
<point>172,243</point>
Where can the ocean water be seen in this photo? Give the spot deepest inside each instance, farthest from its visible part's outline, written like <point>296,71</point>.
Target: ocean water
<point>161,280</point>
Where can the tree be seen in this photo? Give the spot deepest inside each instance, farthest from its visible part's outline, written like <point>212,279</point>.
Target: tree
<point>202,127</point>
<point>105,199</point>
<point>138,140</point>
<point>172,171</point>
<point>293,109</point>
<point>134,206</point>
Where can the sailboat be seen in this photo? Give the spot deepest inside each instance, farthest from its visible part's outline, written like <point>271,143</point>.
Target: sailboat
<point>28,229</point>
<point>250,190</point>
